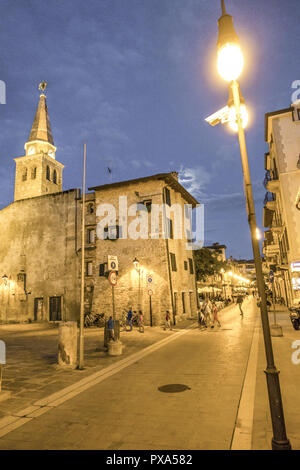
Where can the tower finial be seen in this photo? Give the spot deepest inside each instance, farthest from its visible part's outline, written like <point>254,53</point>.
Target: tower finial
<point>223,7</point>
<point>42,86</point>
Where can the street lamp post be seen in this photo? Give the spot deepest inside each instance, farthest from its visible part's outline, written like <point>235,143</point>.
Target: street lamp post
<point>230,65</point>
<point>136,264</point>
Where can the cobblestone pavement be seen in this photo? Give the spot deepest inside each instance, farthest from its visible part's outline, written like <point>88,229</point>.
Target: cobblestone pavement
<point>32,372</point>
<point>128,411</point>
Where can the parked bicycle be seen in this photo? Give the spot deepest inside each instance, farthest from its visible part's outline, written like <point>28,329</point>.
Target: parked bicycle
<point>94,319</point>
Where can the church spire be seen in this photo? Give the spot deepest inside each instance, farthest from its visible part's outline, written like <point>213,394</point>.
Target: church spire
<point>41,129</point>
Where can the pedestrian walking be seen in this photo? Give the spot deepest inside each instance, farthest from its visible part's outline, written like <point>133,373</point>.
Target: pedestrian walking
<point>168,321</point>
<point>207,312</point>
<point>141,322</point>
<point>201,319</point>
<point>129,319</point>
<point>239,301</point>
<point>215,316</point>
<point>110,329</point>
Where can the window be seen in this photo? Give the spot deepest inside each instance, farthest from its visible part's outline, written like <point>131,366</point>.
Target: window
<point>185,265</point>
<point>24,175</point>
<point>89,268</point>
<point>91,235</point>
<point>191,266</point>
<point>148,204</point>
<point>33,173</point>
<point>48,173</point>
<point>183,302</point>
<point>173,262</point>
<point>54,177</point>
<point>102,269</point>
<point>90,208</point>
<point>169,228</point>
<point>113,232</point>
<point>167,197</point>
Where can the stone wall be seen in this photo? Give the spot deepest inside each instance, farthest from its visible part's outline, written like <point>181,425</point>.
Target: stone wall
<point>132,289</point>
<point>38,239</point>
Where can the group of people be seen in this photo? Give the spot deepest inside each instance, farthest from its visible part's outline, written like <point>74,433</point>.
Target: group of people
<point>208,315</point>
<point>129,322</point>
<point>140,319</point>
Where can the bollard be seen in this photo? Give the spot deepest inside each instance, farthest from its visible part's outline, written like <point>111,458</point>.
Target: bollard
<point>114,347</point>
<point>67,344</point>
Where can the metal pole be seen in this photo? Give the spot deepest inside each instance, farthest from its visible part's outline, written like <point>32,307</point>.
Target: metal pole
<point>113,302</point>
<point>274,311</point>
<point>81,330</point>
<point>150,311</point>
<point>1,366</point>
<point>279,440</point>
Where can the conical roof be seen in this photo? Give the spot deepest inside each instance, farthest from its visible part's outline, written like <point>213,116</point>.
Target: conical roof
<point>41,129</point>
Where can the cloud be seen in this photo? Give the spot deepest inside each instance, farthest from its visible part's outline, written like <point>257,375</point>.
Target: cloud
<point>195,180</point>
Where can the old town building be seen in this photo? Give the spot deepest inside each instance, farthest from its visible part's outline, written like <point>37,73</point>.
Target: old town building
<point>40,249</point>
<point>282,164</point>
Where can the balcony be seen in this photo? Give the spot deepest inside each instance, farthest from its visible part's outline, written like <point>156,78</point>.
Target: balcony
<point>273,186</point>
<point>272,250</point>
<point>277,228</point>
<point>271,181</point>
<point>270,201</point>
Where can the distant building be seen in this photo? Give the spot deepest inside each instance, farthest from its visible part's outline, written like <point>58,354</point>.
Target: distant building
<point>40,248</point>
<point>246,268</point>
<point>219,250</point>
<point>281,244</point>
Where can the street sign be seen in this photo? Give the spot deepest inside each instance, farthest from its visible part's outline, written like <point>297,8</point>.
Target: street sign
<point>149,278</point>
<point>112,277</point>
<point>150,292</point>
<point>112,263</point>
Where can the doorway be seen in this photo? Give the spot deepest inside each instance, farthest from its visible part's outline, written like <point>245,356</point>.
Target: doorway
<point>55,308</point>
<point>191,303</point>
<point>38,309</point>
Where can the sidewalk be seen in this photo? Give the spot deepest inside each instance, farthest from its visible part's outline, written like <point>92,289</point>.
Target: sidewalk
<point>289,381</point>
<point>126,405</point>
<point>32,372</point>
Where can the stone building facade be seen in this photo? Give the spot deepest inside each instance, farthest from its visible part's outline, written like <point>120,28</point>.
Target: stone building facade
<point>281,245</point>
<point>165,267</point>
<point>40,247</point>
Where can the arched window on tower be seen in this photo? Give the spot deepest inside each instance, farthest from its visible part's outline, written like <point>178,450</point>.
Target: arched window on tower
<point>54,177</point>
<point>24,175</point>
<point>33,173</point>
<point>48,173</point>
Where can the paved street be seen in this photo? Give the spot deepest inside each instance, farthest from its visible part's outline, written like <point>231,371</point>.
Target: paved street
<point>125,409</point>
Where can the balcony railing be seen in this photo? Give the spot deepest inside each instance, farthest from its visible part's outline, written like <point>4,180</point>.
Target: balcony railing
<point>269,197</point>
<point>267,178</point>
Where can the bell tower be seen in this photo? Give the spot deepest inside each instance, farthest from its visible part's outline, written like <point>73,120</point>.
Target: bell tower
<point>38,173</point>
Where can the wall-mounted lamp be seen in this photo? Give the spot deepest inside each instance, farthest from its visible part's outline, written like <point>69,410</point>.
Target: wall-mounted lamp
<point>136,263</point>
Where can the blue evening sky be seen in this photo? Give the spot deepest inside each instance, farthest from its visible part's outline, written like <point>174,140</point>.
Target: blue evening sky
<point>134,79</point>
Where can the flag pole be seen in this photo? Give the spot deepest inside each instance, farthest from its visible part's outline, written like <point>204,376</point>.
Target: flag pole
<point>81,328</point>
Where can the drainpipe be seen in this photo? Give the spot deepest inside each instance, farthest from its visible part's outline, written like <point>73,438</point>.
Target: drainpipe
<point>168,257</point>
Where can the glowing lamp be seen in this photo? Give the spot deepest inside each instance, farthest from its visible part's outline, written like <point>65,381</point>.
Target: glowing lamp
<point>230,57</point>
<point>136,263</point>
